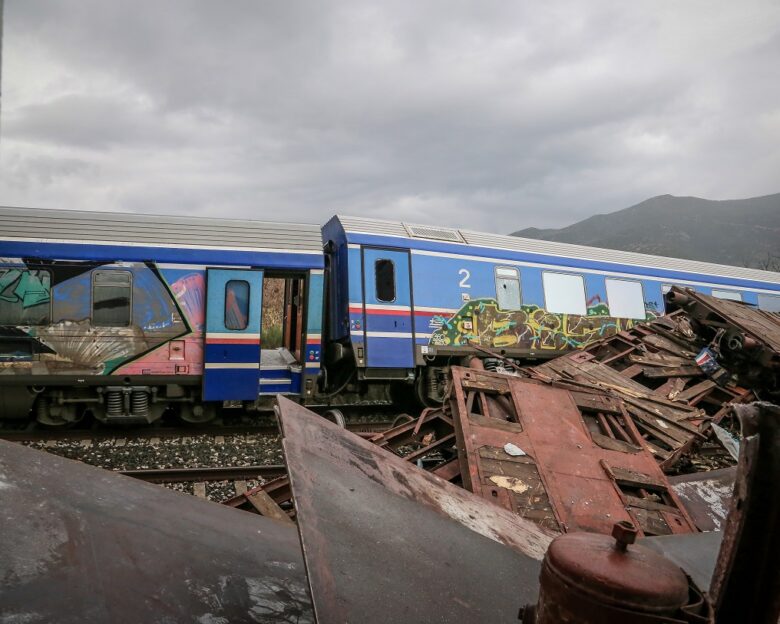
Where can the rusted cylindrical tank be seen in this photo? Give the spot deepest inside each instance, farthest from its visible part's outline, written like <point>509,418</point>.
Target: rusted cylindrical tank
<point>594,579</point>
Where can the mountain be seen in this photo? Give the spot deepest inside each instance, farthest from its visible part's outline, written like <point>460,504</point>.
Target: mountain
<point>740,232</point>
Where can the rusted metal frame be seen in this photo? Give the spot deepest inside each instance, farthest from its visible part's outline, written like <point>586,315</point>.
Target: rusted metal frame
<point>675,515</point>
<point>436,445</point>
<point>620,431</point>
<point>448,471</point>
<point>605,425</point>
<point>618,356</point>
<point>412,428</point>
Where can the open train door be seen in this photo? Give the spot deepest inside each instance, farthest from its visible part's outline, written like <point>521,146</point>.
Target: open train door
<point>231,356</point>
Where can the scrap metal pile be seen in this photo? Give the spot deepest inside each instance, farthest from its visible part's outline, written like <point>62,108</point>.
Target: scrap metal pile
<point>588,438</point>
<point>556,492</point>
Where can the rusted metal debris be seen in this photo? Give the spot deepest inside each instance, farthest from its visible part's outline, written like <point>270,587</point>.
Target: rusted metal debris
<point>428,441</point>
<point>746,582</point>
<point>592,579</point>
<point>385,541</point>
<point>567,460</point>
<point>652,369</point>
<point>745,339</point>
<point>79,544</point>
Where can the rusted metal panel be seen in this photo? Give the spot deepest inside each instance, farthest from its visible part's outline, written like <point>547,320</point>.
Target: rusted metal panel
<point>746,582</point>
<point>385,541</point>
<point>79,544</point>
<point>706,496</point>
<point>540,451</point>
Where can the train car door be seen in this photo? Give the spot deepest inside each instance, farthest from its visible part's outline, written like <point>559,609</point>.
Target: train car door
<point>231,357</point>
<point>387,308</point>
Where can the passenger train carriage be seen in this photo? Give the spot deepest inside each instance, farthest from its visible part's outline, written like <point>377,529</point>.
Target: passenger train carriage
<point>127,316</point>
<point>407,299</point>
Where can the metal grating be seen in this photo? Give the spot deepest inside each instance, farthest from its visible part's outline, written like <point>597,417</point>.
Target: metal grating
<point>433,233</point>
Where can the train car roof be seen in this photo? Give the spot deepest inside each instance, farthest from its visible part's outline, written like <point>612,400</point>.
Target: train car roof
<point>453,240</point>
<point>38,224</point>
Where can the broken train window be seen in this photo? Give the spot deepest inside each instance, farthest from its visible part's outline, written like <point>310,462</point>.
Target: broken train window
<point>384,273</point>
<point>508,288</point>
<point>111,297</point>
<point>25,296</point>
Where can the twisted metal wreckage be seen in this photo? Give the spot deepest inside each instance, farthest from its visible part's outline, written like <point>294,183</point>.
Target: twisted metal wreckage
<point>585,523</point>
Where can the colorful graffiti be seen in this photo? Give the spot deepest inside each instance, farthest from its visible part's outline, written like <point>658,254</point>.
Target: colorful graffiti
<point>533,328</point>
<point>51,322</point>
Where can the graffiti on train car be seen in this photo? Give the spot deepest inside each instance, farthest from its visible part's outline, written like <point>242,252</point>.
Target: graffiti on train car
<point>86,317</point>
<point>531,327</point>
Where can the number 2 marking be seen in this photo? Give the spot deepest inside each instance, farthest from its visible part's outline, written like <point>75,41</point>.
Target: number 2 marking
<point>466,276</point>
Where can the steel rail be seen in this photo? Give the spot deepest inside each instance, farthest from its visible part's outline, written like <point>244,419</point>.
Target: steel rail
<point>196,475</point>
<point>141,433</point>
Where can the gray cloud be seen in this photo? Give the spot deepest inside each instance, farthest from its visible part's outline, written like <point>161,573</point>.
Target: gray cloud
<point>494,116</point>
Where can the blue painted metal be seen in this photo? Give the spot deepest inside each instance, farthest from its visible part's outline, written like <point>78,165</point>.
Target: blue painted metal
<point>665,275</point>
<point>388,324</point>
<point>128,253</point>
<point>232,356</point>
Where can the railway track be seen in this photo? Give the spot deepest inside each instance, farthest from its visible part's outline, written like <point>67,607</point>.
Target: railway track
<point>152,432</point>
<point>203,475</point>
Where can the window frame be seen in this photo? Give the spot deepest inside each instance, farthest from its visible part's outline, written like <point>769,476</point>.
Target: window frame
<point>224,305</point>
<point>50,314</point>
<point>570,274</point>
<point>516,278</point>
<point>376,281</point>
<point>130,284</point>
<point>642,294</point>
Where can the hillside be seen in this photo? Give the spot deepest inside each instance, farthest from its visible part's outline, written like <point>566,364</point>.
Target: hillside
<point>740,232</point>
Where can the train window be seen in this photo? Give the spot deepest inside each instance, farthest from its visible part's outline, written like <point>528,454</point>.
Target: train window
<point>508,288</point>
<point>769,303</point>
<point>384,274</point>
<point>564,293</point>
<point>111,298</point>
<point>236,304</point>
<point>731,295</point>
<point>25,296</point>
<point>625,298</point>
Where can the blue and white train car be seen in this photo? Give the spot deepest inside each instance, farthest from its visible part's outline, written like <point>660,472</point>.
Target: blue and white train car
<point>407,296</point>
<point>128,315</point>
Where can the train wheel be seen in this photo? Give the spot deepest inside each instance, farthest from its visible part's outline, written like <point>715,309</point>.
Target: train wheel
<point>197,414</point>
<point>335,416</point>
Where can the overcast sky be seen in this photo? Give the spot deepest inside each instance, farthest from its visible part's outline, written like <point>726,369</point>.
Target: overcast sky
<point>488,115</point>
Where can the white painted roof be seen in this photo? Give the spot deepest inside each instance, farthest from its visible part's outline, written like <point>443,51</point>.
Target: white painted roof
<point>361,225</point>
